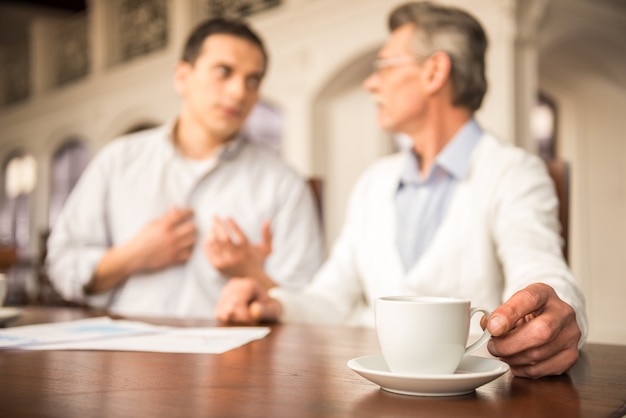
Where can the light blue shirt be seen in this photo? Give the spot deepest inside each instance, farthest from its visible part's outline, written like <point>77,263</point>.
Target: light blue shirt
<point>421,203</point>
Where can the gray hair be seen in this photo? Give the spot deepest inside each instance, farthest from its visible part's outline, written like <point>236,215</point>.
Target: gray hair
<point>458,34</point>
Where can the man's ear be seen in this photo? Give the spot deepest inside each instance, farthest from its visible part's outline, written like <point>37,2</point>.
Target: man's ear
<point>437,71</point>
<point>181,72</point>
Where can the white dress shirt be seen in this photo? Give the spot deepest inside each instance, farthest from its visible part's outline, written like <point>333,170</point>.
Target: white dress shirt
<point>422,202</point>
<point>138,178</point>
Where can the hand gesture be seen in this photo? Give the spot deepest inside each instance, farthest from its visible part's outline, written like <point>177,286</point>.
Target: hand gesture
<point>230,252</point>
<point>164,242</point>
<point>535,332</point>
<point>245,301</point>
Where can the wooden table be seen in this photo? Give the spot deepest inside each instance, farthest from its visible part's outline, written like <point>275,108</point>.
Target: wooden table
<point>296,371</point>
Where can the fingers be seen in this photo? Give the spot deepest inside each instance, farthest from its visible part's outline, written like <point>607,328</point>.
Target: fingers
<point>183,255</point>
<point>229,250</point>
<point>178,215</point>
<point>227,233</point>
<point>233,303</point>
<point>266,238</point>
<point>185,233</point>
<point>266,311</point>
<point>527,301</point>
<point>554,330</point>
<point>239,238</point>
<point>220,232</point>
<point>235,313</point>
<point>180,222</point>
<point>541,333</point>
<point>244,301</point>
<point>540,362</point>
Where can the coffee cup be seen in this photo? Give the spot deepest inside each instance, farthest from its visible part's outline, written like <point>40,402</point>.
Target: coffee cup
<point>425,335</point>
<point>3,289</point>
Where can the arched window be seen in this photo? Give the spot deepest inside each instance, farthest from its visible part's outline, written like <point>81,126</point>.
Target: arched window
<point>20,179</point>
<point>68,163</point>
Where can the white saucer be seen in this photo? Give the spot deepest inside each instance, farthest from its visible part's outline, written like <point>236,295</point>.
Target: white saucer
<point>6,314</point>
<point>471,373</point>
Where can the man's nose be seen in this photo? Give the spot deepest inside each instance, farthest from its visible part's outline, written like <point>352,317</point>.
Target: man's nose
<point>236,89</point>
<point>371,83</point>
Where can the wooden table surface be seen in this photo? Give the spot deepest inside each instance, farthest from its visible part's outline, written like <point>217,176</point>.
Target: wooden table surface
<point>296,371</point>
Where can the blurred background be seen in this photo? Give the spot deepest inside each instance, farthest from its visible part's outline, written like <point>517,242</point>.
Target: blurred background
<point>76,74</point>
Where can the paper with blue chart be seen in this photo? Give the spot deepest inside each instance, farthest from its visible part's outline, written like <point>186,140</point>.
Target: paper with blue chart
<point>104,333</point>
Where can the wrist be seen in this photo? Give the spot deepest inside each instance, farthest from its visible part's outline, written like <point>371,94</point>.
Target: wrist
<point>264,280</point>
<point>129,260</point>
<point>114,267</point>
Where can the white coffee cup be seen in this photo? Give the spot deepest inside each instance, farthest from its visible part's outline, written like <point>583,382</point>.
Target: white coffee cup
<point>3,288</point>
<point>425,335</point>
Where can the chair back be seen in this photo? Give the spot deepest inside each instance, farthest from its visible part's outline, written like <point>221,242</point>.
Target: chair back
<point>559,171</point>
<point>8,257</point>
<point>315,184</point>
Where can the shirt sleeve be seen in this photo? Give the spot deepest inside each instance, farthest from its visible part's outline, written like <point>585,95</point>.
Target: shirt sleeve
<point>297,239</point>
<point>80,236</point>
<point>335,295</point>
<point>527,236</point>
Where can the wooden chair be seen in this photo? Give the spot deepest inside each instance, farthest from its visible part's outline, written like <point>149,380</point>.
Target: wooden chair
<point>8,257</point>
<point>47,294</point>
<point>559,171</point>
<point>316,185</point>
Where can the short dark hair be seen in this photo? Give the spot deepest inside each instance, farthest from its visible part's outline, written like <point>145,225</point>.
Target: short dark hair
<point>238,28</point>
<point>458,34</point>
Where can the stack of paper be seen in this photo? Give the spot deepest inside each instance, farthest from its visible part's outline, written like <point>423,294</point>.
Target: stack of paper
<point>104,333</point>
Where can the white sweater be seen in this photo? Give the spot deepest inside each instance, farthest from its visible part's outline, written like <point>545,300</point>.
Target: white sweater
<point>500,234</point>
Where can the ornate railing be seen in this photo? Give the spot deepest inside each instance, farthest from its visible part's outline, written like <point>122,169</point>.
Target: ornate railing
<point>60,50</point>
<point>234,8</point>
<point>15,83</point>
<point>71,51</point>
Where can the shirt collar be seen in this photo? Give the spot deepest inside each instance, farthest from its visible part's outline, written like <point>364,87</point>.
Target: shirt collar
<point>228,151</point>
<point>455,158</point>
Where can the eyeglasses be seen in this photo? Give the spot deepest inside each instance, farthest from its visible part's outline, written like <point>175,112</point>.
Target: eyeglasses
<point>382,63</point>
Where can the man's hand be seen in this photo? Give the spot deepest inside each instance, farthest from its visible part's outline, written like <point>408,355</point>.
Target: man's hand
<point>164,242</point>
<point>535,332</point>
<point>245,301</point>
<point>230,252</point>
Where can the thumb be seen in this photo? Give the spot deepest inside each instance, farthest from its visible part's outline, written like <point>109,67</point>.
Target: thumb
<point>177,215</point>
<point>268,310</point>
<point>523,303</point>
<point>171,215</point>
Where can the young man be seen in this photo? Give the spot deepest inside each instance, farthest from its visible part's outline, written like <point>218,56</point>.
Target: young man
<point>460,214</point>
<point>160,220</point>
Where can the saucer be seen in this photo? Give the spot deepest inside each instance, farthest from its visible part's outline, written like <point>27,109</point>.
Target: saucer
<point>471,373</point>
<point>6,314</point>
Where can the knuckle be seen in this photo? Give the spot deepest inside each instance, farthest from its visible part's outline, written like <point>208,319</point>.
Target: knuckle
<point>577,335</point>
<point>531,297</point>
<point>533,371</point>
<point>570,358</point>
<point>543,330</point>
<point>533,355</point>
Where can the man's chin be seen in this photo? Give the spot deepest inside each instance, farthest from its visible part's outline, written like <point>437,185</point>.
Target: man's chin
<point>227,134</point>
<point>385,126</point>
